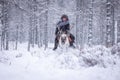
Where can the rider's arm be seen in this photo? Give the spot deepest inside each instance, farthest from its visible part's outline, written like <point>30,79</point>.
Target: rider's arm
<point>68,27</point>
<point>57,28</point>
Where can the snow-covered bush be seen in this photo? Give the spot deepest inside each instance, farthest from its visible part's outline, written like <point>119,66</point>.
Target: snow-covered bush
<point>4,58</point>
<point>88,57</point>
<point>67,60</point>
<point>99,55</point>
<point>73,58</point>
<point>116,49</point>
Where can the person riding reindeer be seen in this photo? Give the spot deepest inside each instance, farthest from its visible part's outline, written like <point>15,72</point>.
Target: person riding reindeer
<point>64,26</point>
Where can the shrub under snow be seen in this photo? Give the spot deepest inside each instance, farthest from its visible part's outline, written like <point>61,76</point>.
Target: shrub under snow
<point>88,57</point>
<point>73,58</point>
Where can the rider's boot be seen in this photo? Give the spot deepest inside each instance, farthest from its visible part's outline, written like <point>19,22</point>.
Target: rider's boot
<point>71,44</point>
<point>56,45</point>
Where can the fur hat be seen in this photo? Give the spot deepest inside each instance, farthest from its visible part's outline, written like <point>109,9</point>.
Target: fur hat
<point>64,16</point>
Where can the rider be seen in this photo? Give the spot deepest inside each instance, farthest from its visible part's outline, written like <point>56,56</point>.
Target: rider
<point>63,25</point>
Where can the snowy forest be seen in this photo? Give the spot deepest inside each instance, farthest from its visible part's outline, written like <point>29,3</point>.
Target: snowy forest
<point>95,22</point>
<point>27,34</point>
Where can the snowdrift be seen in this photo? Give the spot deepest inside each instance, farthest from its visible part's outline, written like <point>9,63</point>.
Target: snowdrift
<point>95,63</point>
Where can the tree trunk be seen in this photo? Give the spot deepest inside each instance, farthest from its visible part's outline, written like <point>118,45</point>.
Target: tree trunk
<point>110,23</point>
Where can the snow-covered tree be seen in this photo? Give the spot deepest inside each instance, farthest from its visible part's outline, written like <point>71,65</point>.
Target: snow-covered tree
<point>109,23</point>
<point>5,24</point>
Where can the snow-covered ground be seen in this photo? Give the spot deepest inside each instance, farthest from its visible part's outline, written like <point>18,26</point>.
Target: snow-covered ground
<point>95,63</point>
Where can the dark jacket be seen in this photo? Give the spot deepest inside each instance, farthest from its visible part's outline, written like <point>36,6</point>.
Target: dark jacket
<point>65,27</point>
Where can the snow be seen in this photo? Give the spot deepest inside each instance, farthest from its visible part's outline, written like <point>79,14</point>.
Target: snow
<point>95,63</point>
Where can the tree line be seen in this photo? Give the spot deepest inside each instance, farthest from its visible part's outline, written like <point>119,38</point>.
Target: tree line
<point>96,22</point>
